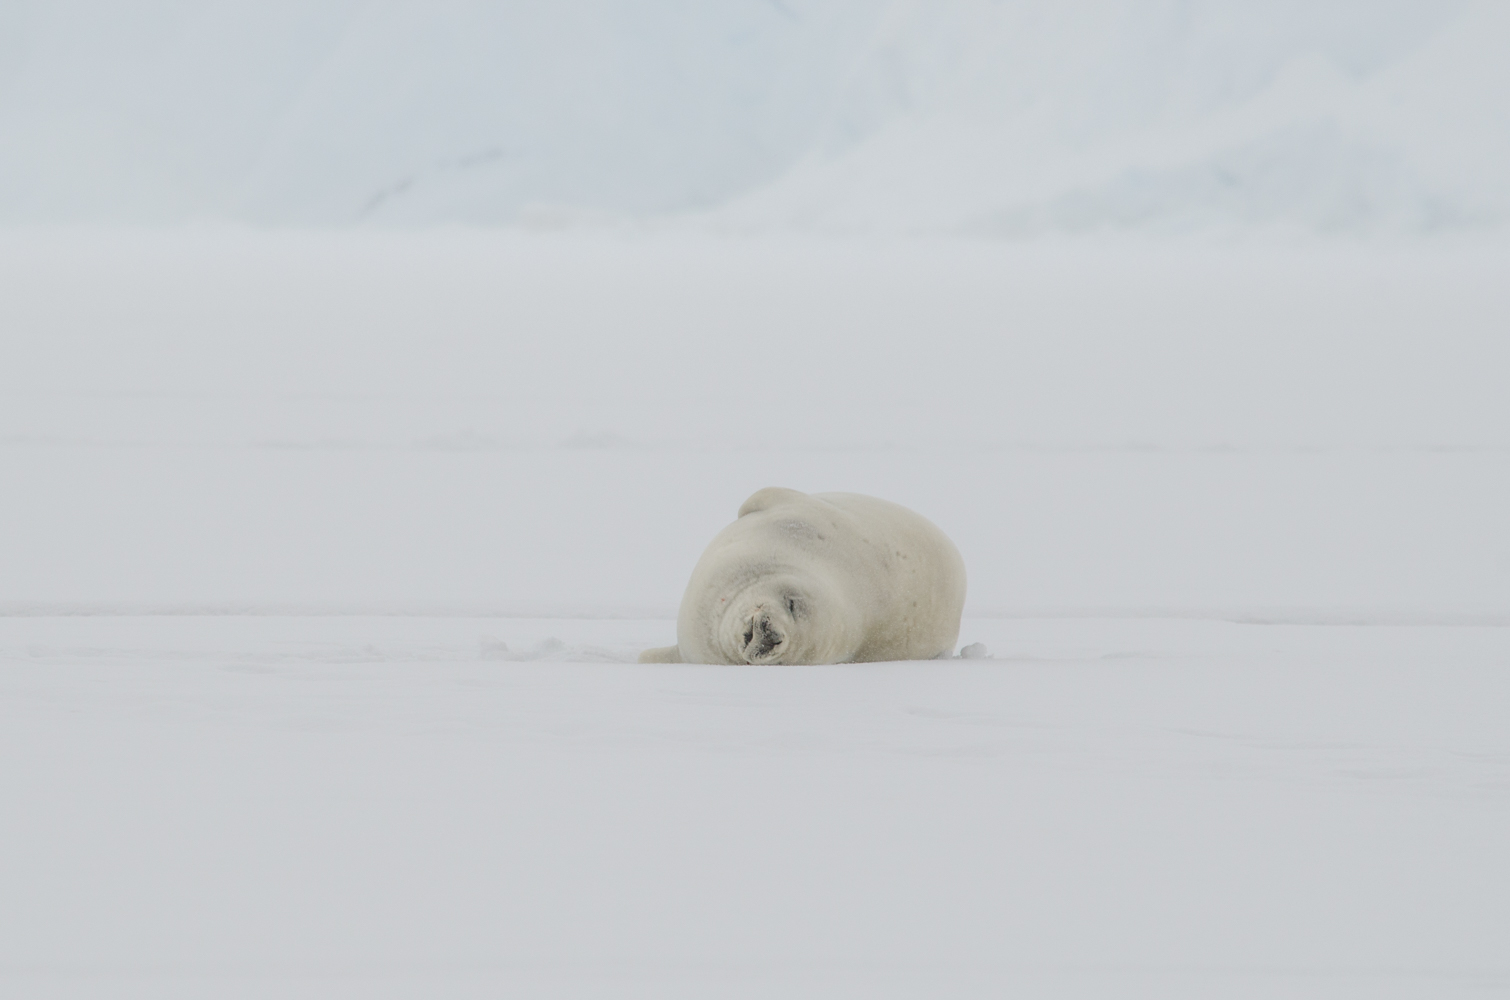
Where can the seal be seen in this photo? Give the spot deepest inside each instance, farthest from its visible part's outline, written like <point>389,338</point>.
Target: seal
<point>821,578</point>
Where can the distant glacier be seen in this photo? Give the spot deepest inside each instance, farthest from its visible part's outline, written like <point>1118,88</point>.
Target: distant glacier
<point>951,116</point>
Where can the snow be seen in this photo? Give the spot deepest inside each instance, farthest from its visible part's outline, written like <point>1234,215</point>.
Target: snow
<point>1011,119</point>
<point>973,116</point>
<point>326,557</point>
<point>516,425</point>
<point>375,807</point>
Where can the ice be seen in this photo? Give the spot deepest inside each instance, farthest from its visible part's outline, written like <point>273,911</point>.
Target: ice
<point>1156,808</point>
<point>326,559</point>
<point>334,423</point>
<point>838,115</point>
<point>1019,118</point>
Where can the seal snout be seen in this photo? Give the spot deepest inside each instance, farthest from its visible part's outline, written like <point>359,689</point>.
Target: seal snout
<point>761,637</point>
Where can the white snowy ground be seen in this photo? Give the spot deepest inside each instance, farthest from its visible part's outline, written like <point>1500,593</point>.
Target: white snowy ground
<point>324,561</point>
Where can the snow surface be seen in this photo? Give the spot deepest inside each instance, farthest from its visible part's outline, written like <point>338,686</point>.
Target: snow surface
<point>324,560</point>
<point>390,807</point>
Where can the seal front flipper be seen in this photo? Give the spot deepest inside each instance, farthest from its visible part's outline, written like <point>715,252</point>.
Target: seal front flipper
<point>769,497</point>
<point>662,654</point>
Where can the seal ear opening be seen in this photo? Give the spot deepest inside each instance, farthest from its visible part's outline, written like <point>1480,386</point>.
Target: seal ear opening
<point>767,498</point>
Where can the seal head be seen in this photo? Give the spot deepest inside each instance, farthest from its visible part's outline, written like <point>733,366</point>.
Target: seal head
<point>776,621</point>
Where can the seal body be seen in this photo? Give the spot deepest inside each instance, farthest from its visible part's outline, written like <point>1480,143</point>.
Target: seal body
<point>821,578</point>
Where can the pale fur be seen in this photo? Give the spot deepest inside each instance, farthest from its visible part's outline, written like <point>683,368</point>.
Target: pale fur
<point>821,578</point>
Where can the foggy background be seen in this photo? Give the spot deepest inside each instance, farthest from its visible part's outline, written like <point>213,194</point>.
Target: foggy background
<point>992,117</point>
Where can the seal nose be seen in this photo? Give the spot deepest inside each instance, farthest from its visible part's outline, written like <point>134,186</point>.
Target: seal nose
<point>761,637</point>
